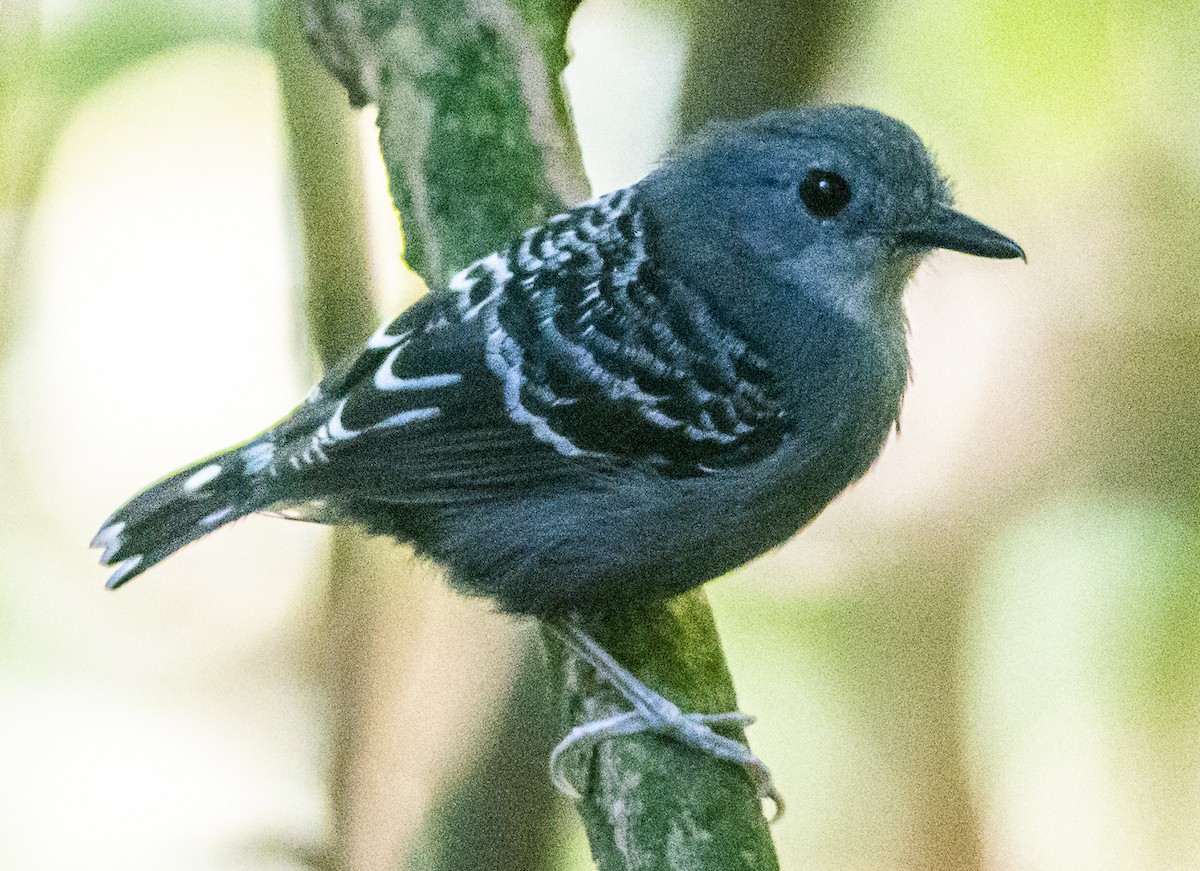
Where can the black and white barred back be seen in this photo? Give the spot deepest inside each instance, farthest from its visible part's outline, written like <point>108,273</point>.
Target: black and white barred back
<point>551,364</point>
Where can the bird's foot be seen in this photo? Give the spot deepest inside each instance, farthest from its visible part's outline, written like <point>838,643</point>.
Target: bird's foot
<point>652,712</point>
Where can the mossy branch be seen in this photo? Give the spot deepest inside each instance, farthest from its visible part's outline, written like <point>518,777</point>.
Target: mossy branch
<point>478,145</point>
<point>649,803</point>
<point>472,124</point>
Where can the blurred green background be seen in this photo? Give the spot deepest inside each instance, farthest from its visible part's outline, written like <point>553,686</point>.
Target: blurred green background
<point>984,656</point>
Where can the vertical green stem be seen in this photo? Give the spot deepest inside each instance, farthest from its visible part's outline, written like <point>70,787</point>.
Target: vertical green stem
<point>478,145</point>
<point>371,594</point>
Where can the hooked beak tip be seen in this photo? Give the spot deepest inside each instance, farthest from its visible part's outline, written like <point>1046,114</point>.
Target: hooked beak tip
<point>954,231</point>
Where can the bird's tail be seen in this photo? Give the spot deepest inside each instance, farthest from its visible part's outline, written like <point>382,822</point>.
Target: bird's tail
<point>182,508</point>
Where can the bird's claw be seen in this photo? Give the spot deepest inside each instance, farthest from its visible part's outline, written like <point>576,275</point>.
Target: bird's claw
<point>694,730</point>
<point>652,712</point>
<point>587,736</point>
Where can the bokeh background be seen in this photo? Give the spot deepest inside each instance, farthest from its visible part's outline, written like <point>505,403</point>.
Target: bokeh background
<point>984,656</point>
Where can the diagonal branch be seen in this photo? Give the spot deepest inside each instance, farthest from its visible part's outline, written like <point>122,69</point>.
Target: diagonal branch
<point>478,145</point>
<point>472,124</point>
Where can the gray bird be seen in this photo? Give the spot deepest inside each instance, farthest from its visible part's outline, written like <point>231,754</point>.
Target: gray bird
<point>637,397</point>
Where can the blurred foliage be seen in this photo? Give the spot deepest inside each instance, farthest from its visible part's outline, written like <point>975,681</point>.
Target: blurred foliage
<point>755,55</point>
<point>1085,680</point>
<point>1047,90</point>
<point>47,67</point>
<point>108,36</point>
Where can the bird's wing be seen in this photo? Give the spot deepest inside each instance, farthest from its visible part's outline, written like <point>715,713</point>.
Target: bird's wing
<point>415,418</point>
<point>567,354</point>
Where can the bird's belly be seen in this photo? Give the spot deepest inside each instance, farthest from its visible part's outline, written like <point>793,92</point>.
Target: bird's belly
<point>627,543</point>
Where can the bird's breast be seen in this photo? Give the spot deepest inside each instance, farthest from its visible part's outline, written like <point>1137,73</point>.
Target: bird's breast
<point>841,402</point>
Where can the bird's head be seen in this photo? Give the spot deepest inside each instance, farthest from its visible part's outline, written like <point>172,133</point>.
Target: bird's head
<point>839,203</point>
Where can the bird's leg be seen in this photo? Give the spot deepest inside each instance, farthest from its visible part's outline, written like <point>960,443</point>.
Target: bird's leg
<point>651,712</point>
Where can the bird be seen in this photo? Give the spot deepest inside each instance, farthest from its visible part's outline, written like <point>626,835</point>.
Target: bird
<point>647,391</point>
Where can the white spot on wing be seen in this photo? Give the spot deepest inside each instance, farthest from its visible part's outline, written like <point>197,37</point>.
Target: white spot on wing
<point>385,380</point>
<point>628,271</point>
<point>381,339</point>
<point>334,428</point>
<point>257,456</point>
<point>410,416</point>
<point>464,282</point>
<point>504,359</point>
<point>202,477</point>
<point>314,451</point>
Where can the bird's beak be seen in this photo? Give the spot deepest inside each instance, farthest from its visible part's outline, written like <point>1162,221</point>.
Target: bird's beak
<point>954,231</point>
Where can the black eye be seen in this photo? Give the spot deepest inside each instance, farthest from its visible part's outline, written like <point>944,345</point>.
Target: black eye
<point>824,193</point>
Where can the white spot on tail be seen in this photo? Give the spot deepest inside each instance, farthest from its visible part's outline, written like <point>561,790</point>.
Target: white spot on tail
<point>124,569</point>
<point>216,517</point>
<point>525,256</point>
<point>202,477</point>
<point>109,538</point>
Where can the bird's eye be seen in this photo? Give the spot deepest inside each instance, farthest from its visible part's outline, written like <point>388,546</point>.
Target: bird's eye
<point>824,193</point>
